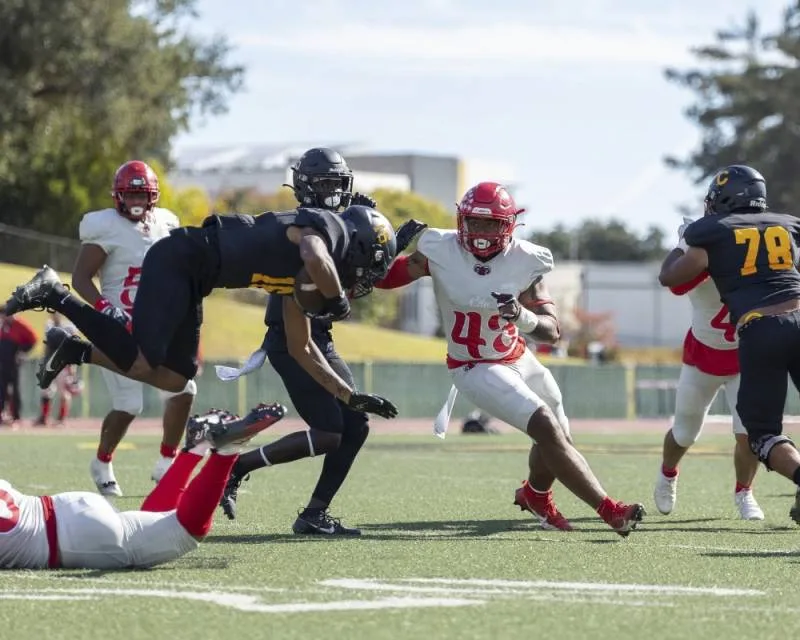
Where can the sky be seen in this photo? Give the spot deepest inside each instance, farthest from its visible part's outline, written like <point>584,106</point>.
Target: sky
<point>565,99</point>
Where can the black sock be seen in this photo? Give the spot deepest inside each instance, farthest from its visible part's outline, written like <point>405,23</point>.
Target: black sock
<point>796,477</point>
<point>108,335</point>
<point>337,463</point>
<point>247,462</point>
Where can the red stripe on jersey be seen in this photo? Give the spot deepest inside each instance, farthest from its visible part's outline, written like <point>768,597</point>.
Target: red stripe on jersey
<point>686,287</point>
<point>53,561</point>
<point>714,362</point>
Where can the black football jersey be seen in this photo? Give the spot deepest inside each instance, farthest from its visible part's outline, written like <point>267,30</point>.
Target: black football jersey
<point>752,257</point>
<point>255,252</point>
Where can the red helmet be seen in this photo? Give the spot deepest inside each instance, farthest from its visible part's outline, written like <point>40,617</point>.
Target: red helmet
<point>135,177</point>
<point>486,202</point>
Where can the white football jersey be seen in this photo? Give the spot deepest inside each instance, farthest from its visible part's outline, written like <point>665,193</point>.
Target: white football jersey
<point>23,536</point>
<point>711,322</point>
<point>125,243</point>
<point>463,286</point>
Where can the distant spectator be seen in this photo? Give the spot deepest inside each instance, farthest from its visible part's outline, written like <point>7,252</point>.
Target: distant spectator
<point>17,338</point>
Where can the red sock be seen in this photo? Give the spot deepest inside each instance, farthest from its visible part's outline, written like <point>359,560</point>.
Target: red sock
<point>104,457</point>
<point>606,508</point>
<point>533,494</point>
<point>45,409</point>
<point>168,492</point>
<point>667,472</point>
<point>741,487</point>
<point>62,411</point>
<point>168,451</point>
<point>196,509</point>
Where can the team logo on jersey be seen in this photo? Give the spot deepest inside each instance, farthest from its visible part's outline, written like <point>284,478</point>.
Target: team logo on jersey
<point>482,269</point>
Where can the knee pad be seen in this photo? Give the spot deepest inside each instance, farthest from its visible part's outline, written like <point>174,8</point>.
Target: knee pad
<point>762,443</point>
<point>190,389</point>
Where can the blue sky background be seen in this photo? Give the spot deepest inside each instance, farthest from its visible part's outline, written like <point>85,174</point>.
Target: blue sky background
<point>565,98</point>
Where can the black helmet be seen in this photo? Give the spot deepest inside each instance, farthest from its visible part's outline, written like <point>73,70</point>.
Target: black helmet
<point>370,250</point>
<point>321,178</point>
<point>737,188</point>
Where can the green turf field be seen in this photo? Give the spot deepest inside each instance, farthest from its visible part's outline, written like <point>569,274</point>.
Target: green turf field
<point>444,555</point>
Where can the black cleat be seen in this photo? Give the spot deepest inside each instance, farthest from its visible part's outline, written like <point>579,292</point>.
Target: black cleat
<point>231,494</point>
<point>34,293</point>
<point>61,350</point>
<point>321,523</point>
<point>233,430</point>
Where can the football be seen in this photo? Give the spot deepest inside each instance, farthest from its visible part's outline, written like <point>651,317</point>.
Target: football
<point>306,293</point>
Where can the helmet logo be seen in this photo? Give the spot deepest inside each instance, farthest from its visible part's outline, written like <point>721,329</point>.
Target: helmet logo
<point>722,178</point>
<point>381,234</point>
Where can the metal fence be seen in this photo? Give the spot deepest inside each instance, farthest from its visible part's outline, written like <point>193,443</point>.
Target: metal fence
<point>33,249</point>
<point>608,391</point>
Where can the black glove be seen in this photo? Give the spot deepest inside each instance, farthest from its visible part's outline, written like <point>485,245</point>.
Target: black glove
<point>508,306</point>
<point>364,200</point>
<point>371,403</point>
<point>335,309</point>
<point>406,232</point>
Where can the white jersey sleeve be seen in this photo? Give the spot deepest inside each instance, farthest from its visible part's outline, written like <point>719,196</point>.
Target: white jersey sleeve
<point>23,536</point>
<point>96,228</point>
<point>463,286</point>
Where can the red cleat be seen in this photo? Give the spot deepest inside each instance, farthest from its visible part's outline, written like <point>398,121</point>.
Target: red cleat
<point>622,517</point>
<point>543,508</point>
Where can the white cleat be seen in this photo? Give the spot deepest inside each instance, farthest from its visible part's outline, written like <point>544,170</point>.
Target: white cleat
<point>161,468</point>
<point>747,505</point>
<point>103,476</point>
<point>665,493</point>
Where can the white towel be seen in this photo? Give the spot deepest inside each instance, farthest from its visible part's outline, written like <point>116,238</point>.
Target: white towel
<point>255,361</point>
<point>442,420</point>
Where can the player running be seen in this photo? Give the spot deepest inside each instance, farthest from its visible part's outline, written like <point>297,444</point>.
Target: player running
<point>489,289</point>
<point>710,363</point>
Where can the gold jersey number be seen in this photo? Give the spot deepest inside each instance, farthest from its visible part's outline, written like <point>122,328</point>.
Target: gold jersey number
<point>778,244</point>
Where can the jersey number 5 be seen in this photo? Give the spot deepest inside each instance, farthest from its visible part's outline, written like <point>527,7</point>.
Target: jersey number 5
<point>9,512</point>
<point>777,241</point>
<point>473,340</point>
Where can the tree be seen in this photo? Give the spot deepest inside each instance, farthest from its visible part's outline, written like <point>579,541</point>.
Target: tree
<point>746,105</point>
<point>88,84</point>
<point>602,241</point>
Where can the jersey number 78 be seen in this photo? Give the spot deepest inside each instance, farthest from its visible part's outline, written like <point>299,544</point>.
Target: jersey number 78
<point>777,242</point>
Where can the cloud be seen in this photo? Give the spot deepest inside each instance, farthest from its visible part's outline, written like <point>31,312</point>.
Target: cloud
<point>499,43</point>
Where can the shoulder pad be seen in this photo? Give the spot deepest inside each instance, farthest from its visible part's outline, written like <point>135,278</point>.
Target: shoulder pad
<point>702,231</point>
<point>96,227</point>
<point>433,242</point>
<point>540,258</point>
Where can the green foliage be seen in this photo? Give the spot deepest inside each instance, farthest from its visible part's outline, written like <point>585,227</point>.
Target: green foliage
<point>745,88</point>
<point>602,241</point>
<point>88,84</point>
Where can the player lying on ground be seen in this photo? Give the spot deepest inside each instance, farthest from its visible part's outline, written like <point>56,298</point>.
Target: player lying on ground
<point>489,288</point>
<point>234,252</point>
<point>81,530</point>
<point>114,242</point>
<point>710,363</point>
<point>751,255</point>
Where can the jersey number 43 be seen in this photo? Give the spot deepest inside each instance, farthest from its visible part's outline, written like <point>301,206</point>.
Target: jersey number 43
<point>473,339</point>
<point>778,244</point>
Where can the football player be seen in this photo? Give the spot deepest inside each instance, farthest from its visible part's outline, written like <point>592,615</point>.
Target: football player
<point>81,530</point>
<point>751,255</point>
<point>489,288</point>
<point>321,178</point>
<point>350,251</point>
<point>710,363</point>
<point>114,242</point>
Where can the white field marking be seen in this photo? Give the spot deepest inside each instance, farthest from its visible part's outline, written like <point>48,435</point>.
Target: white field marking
<point>29,575</point>
<point>244,602</point>
<point>514,587</point>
